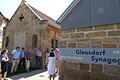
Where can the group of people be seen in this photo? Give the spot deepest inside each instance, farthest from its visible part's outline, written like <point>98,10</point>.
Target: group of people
<point>21,57</point>
<point>24,57</point>
<point>18,56</point>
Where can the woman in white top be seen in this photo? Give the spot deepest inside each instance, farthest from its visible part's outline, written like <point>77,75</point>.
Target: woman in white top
<point>4,63</point>
<point>51,66</point>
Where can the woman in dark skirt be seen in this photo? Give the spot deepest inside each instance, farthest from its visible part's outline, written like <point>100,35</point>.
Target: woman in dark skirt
<point>4,63</point>
<point>0,67</point>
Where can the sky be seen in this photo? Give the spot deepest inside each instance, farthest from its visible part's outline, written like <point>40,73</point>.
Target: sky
<point>52,8</point>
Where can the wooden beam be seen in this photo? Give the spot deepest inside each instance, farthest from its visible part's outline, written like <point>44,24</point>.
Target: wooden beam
<point>53,29</point>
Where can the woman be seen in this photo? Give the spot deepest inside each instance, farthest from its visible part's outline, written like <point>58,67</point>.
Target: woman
<point>4,63</point>
<point>28,59</point>
<point>51,65</point>
<point>0,67</point>
<point>46,57</point>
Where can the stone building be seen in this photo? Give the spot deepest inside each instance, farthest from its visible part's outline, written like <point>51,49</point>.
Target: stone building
<point>30,28</point>
<point>90,24</point>
<point>2,18</point>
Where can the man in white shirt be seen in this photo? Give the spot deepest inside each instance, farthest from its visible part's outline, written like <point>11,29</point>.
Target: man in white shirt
<point>39,58</point>
<point>16,59</point>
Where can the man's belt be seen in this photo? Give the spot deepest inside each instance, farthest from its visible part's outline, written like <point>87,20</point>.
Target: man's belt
<point>15,59</point>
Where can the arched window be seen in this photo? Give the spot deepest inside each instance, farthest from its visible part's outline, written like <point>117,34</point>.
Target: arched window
<point>34,41</point>
<point>7,42</point>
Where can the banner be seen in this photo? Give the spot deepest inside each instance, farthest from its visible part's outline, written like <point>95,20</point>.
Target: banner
<point>107,56</point>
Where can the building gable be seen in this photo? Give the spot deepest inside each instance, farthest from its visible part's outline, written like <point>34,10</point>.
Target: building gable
<point>32,11</point>
<point>22,18</point>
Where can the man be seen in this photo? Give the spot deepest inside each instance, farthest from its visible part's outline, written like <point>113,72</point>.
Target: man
<point>56,51</point>
<point>39,59</point>
<point>22,59</point>
<point>16,59</point>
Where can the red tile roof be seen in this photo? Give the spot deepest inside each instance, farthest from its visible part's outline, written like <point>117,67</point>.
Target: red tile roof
<point>43,16</point>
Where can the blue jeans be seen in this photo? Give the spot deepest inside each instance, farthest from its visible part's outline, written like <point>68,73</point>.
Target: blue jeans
<point>38,62</point>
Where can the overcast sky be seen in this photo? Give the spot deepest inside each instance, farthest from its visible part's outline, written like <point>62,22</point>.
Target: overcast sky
<point>52,8</point>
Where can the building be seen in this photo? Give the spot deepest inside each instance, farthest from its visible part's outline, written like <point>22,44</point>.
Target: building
<point>2,18</point>
<point>30,28</point>
<point>89,24</point>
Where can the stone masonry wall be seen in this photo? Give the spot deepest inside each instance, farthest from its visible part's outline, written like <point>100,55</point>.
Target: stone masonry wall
<point>106,36</point>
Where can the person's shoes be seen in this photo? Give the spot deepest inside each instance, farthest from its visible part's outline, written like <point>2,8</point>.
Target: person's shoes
<point>56,73</point>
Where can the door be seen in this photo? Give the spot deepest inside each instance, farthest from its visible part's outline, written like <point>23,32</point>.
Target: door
<point>19,39</point>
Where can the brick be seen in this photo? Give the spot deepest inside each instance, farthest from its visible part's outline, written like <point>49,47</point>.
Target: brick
<point>71,45</point>
<point>81,75</point>
<point>61,77</point>
<point>118,26</point>
<point>109,45</point>
<point>96,34</point>
<point>85,29</point>
<point>83,45</point>
<point>118,45</point>
<point>111,40</point>
<point>79,40</point>
<point>96,76</point>
<point>112,69</point>
<point>96,43</point>
<point>114,33</point>
<point>68,78</point>
<point>96,68</point>
<point>105,27</point>
<point>64,36</point>
<point>77,35</point>
<point>84,66</point>
<point>62,67</point>
<point>68,31</point>
<point>74,66</point>
<point>99,76</point>
<point>63,44</point>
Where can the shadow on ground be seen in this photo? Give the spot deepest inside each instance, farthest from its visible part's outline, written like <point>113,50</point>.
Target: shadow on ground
<point>28,74</point>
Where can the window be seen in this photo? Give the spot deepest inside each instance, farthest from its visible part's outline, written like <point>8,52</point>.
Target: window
<point>7,42</point>
<point>56,43</point>
<point>34,41</point>
<point>52,43</point>
<point>21,17</point>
